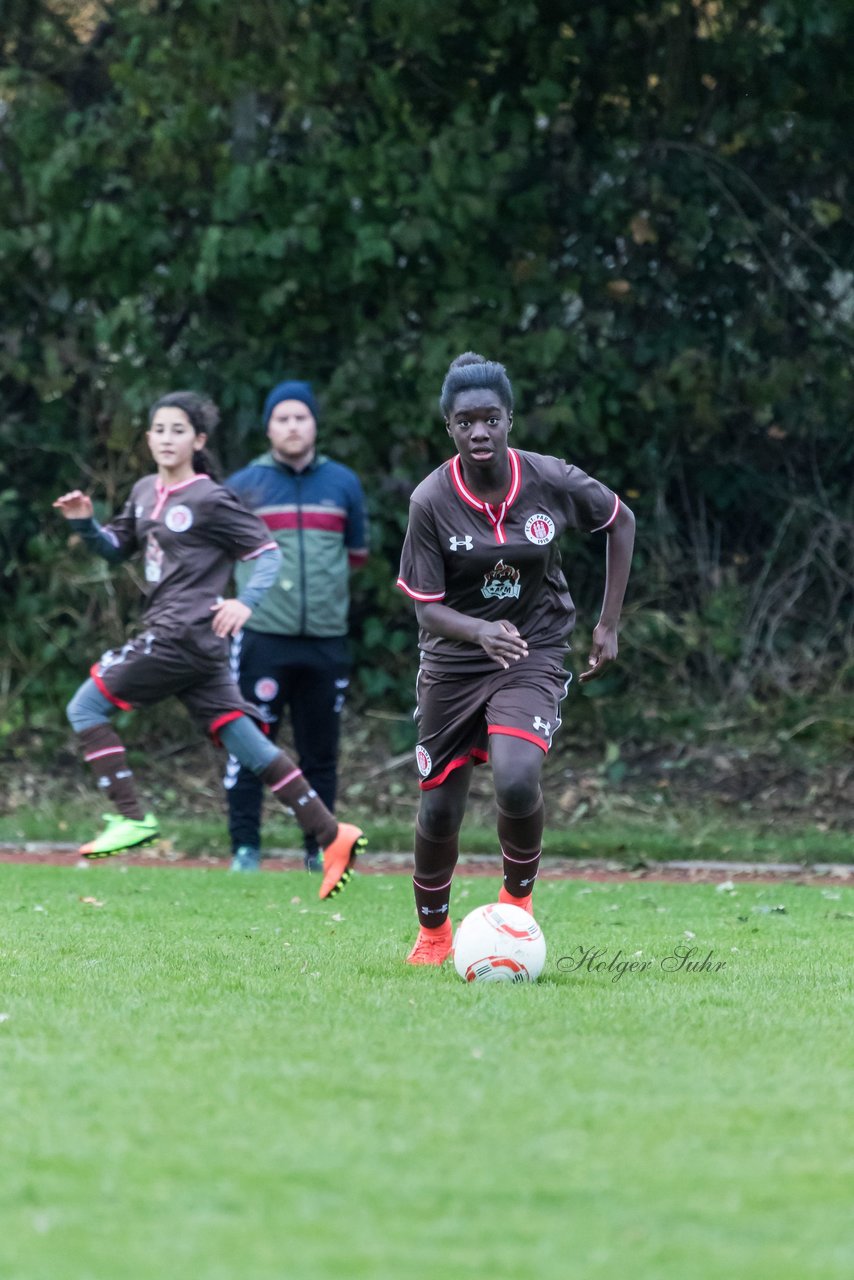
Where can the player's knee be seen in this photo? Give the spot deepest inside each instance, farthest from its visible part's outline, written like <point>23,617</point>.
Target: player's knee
<point>88,708</point>
<point>519,792</point>
<point>439,815</point>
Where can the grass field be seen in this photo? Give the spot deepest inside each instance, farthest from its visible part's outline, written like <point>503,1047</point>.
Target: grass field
<point>212,1077</point>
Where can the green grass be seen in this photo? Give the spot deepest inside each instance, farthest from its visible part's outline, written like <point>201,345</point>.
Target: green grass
<point>666,834</point>
<point>202,1078</point>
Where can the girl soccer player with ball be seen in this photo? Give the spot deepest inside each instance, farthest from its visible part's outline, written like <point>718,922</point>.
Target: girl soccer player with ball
<point>481,562</point>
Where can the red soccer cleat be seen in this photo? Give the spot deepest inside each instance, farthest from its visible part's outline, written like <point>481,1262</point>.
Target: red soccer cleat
<point>432,946</point>
<point>524,903</point>
<point>338,858</point>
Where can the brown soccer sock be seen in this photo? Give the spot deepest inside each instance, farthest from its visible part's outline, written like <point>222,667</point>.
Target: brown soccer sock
<point>104,752</point>
<point>435,860</point>
<point>290,787</point>
<point>521,841</point>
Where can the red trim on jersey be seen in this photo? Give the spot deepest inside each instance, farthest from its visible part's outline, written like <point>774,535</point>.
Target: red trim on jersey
<point>475,754</point>
<point>610,519</point>
<point>423,596</point>
<point>518,733</point>
<point>165,491</point>
<point>496,515</point>
<point>328,521</point>
<point>102,688</point>
<point>226,718</point>
<point>268,546</point>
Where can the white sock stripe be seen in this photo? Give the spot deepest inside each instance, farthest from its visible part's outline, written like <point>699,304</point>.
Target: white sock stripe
<point>429,888</point>
<point>297,773</point>
<point>522,861</point>
<point>107,751</point>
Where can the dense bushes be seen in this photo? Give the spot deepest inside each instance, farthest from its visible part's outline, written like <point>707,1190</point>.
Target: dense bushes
<point>644,210</point>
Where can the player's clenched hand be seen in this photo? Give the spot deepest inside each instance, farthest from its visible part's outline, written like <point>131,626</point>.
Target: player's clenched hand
<point>603,651</point>
<point>229,616</point>
<point>501,640</point>
<point>75,505</point>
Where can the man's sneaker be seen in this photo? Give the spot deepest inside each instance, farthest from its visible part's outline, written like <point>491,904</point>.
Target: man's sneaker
<point>121,834</point>
<point>338,858</point>
<point>432,946</point>
<point>524,903</point>
<point>312,860</point>
<point>246,858</point>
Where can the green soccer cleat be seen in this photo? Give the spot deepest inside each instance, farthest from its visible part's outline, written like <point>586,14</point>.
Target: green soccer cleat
<point>120,835</point>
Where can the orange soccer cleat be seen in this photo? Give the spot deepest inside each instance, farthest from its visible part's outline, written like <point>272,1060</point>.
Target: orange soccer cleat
<point>524,903</point>
<point>338,858</point>
<point>432,946</point>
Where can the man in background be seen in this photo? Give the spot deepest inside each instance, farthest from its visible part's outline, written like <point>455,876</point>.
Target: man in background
<point>294,652</point>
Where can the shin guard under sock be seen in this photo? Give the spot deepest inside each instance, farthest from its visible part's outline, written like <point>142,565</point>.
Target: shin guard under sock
<point>521,841</point>
<point>290,787</point>
<point>104,753</point>
<point>435,860</point>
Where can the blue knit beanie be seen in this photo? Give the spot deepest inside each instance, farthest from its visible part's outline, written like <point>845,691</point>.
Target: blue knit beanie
<point>290,390</point>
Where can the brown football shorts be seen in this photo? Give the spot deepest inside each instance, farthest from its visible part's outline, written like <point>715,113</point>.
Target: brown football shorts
<point>190,664</point>
<point>457,713</point>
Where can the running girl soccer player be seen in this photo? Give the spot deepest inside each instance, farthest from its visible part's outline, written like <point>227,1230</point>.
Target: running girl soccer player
<point>189,530</point>
<point>481,562</point>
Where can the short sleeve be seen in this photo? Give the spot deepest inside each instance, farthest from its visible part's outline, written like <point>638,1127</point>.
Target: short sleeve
<point>592,506</point>
<point>235,529</point>
<point>422,568</point>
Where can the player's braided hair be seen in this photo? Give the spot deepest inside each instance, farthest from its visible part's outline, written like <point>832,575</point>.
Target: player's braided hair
<point>471,370</point>
<point>204,417</point>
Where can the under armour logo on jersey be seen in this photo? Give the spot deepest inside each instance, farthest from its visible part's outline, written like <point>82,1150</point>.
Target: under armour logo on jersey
<point>545,725</point>
<point>467,543</point>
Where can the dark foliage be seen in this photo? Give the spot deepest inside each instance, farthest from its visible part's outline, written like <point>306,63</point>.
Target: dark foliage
<point>643,210</point>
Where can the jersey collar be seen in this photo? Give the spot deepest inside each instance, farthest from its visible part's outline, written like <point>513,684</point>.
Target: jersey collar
<point>495,514</point>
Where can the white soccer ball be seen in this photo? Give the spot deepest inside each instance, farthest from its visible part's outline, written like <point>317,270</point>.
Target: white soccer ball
<point>499,943</point>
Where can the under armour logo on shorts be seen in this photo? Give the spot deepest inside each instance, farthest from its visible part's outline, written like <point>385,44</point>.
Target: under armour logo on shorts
<point>545,725</point>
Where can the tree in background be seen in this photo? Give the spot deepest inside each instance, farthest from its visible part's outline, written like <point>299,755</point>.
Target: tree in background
<point>643,209</point>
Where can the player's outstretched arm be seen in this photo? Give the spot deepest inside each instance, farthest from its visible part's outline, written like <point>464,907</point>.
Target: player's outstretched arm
<point>75,505</point>
<point>621,541</point>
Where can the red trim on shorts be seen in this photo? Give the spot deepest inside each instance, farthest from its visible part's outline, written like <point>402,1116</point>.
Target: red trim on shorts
<point>357,557</point>
<point>102,688</point>
<point>518,733</point>
<point>479,757</point>
<point>228,717</point>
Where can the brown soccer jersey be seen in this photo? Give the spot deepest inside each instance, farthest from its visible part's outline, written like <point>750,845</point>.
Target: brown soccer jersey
<point>190,534</point>
<point>499,562</point>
